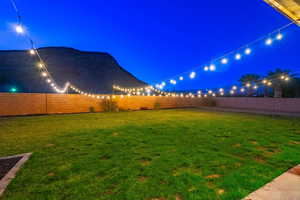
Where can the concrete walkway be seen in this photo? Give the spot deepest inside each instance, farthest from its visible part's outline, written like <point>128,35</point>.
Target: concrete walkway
<point>284,187</point>
<point>260,112</point>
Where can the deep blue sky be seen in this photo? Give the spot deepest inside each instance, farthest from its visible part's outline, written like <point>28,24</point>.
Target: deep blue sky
<point>158,39</point>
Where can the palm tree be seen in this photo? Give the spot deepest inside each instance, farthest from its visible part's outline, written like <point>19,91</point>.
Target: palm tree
<point>251,79</point>
<point>278,80</point>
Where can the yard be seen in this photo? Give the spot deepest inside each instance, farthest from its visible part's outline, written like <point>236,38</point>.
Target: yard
<point>182,154</point>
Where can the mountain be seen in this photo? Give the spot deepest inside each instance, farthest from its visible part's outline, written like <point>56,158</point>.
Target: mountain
<point>94,72</point>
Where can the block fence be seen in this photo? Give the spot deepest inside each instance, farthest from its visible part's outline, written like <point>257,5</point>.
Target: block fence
<point>32,103</point>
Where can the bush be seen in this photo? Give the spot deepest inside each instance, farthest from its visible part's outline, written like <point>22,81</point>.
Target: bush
<point>109,105</point>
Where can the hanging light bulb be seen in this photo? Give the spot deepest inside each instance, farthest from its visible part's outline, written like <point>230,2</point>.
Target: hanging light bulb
<point>221,90</point>
<point>48,80</point>
<point>279,36</point>
<point>238,56</point>
<point>206,68</point>
<point>32,51</point>
<point>269,41</point>
<point>224,61</point>
<point>192,75</point>
<point>181,78</point>
<point>234,87</point>
<point>231,91</point>
<point>264,81</point>
<point>255,87</point>
<point>44,74</point>
<point>212,67</point>
<point>248,85</point>
<point>19,29</point>
<point>248,51</point>
<point>242,89</point>
<point>40,65</point>
<point>287,79</point>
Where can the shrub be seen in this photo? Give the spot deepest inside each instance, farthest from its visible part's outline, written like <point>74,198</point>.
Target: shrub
<point>109,105</point>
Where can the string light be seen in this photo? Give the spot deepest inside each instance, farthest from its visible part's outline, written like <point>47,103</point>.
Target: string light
<point>212,67</point>
<point>279,36</point>
<point>224,61</point>
<point>269,41</point>
<point>19,29</point>
<point>238,56</point>
<point>32,52</point>
<point>192,75</point>
<point>248,51</point>
<point>234,87</point>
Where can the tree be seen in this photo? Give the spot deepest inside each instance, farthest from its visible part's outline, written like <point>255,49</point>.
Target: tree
<point>279,77</point>
<point>251,79</point>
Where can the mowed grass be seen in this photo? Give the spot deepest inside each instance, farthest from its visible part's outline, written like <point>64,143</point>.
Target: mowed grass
<point>183,154</point>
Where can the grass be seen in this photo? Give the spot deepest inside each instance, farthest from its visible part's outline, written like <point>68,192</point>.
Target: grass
<point>183,154</point>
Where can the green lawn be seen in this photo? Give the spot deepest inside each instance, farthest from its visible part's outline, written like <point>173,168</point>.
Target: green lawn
<point>178,154</point>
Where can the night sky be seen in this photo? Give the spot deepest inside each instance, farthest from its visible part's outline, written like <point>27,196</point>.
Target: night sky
<point>157,39</point>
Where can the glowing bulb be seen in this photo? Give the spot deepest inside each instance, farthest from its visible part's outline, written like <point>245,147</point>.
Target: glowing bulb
<point>199,92</point>
<point>48,80</point>
<point>269,83</point>
<point>40,65</point>
<point>222,94</point>
<point>269,41</point>
<point>181,78</point>
<point>210,92</point>
<point>279,36</point>
<point>192,75</point>
<point>264,81</point>
<point>255,87</point>
<point>206,68</point>
<point>32,52</point>
<point>287,79</point>
<point>19,29</point>
<point>44,74</point>
<point>234,87</point>
<point>231,92</point>
<point>213,94</point>
<point>248,51</point>
<point>212,67</point>
<point>163,83</point>
<point>248,85</point>
<point>224,61</point>
<point>221,90</point>
<point>242,90</point>
<point>238,56</point>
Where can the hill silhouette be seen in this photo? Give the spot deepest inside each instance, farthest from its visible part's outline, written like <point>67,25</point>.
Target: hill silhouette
<point>94,72</point>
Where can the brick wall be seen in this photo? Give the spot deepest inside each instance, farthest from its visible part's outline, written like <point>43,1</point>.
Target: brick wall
<point>266,104</point>
<point>29,104</point>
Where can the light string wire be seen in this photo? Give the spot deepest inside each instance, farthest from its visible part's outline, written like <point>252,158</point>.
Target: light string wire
<point>253,85</point>
<point>243,47</point>
<point>50,79</point>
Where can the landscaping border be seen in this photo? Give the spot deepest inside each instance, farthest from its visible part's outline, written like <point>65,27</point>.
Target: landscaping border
<point>12,172</point>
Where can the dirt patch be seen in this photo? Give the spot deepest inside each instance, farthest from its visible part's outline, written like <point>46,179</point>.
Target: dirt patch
<point>295,170</point>
<point>51,174</point>
<point>160,198</point>
<point>253,142</point>
<point>237,145</point>
<point>212,176</point>
<point>177,197</point>
<point>145,162</point>
<point>143,179</point>
<point>220,191</point>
